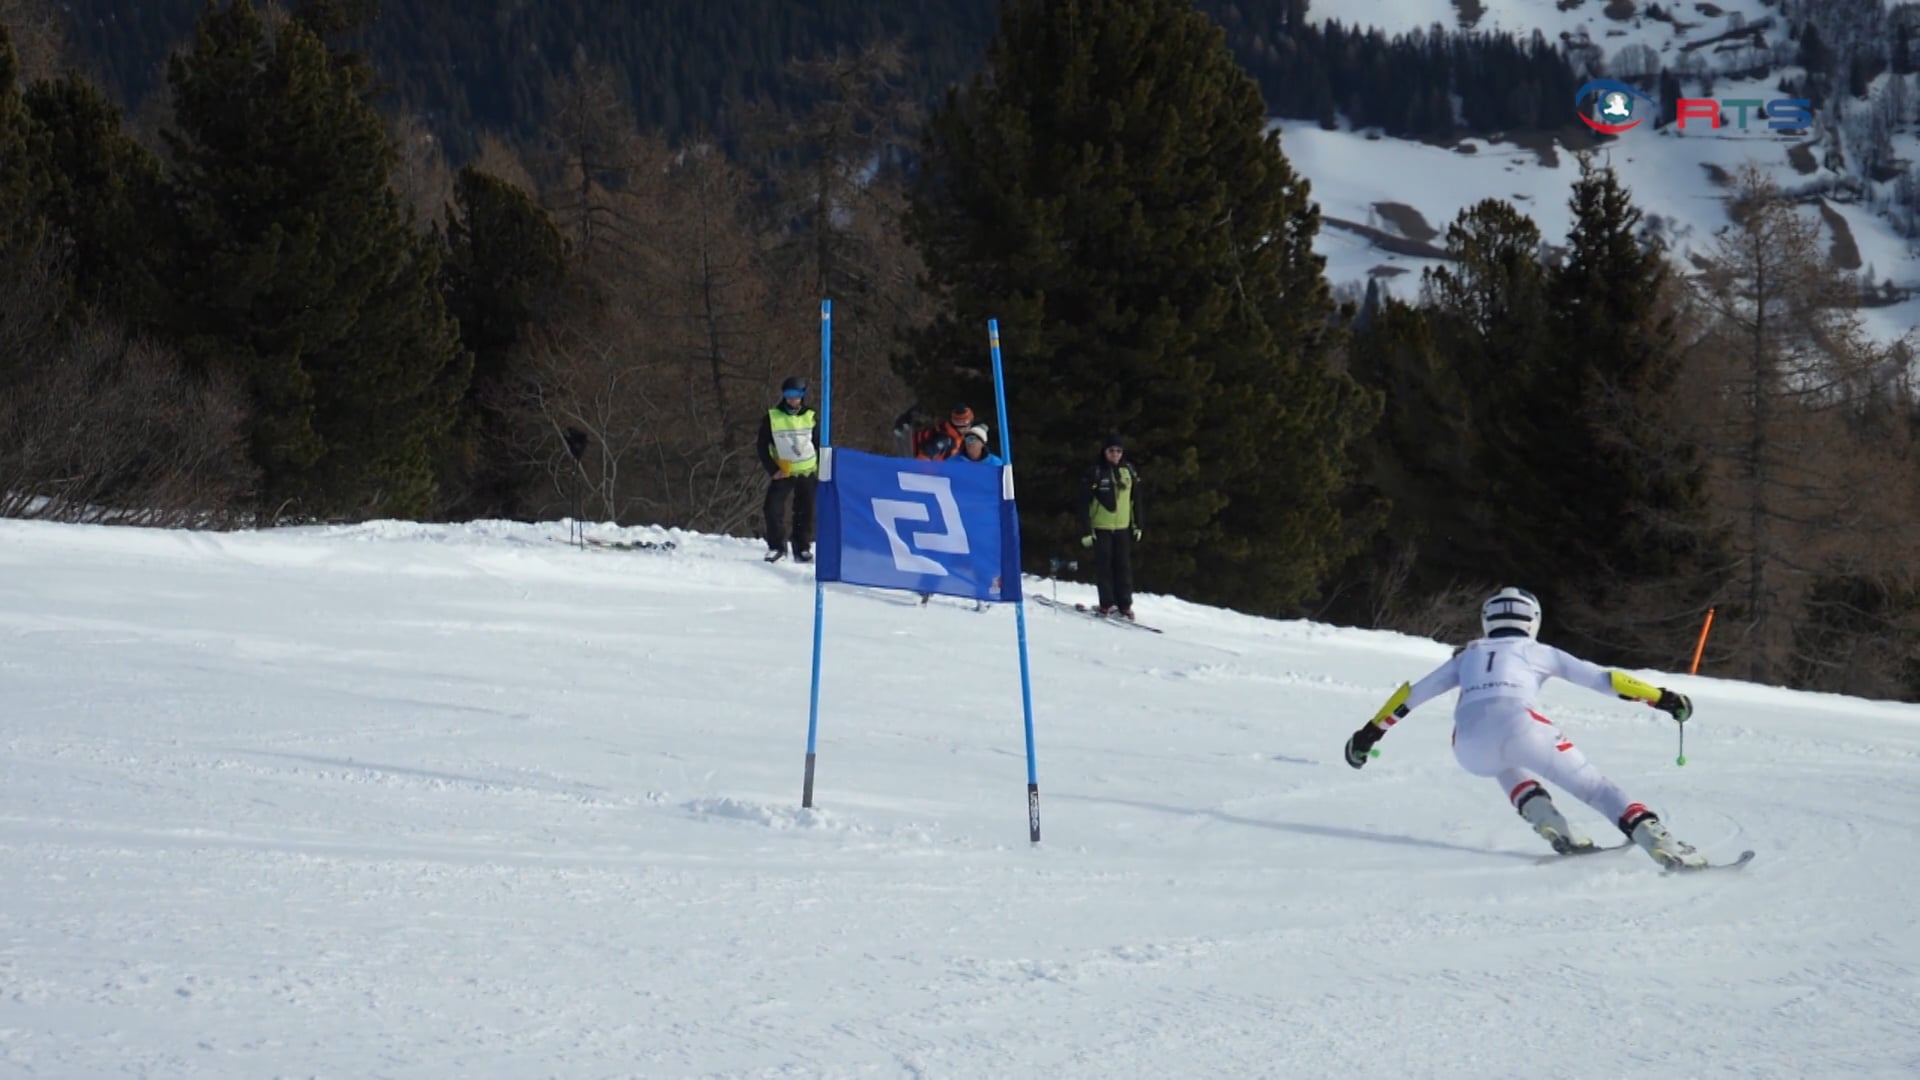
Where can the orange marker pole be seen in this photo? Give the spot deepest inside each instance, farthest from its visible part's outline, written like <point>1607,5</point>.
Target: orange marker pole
<point>1702,646</point>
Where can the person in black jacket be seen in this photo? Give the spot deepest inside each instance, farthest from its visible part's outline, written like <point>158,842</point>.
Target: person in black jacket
<point>787,453</point>
<point>1109,510</point>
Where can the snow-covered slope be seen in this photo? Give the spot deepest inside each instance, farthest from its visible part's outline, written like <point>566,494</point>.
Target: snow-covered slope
<point>1618,20</point>
<point>401,801</point>
<point>1387,202</point>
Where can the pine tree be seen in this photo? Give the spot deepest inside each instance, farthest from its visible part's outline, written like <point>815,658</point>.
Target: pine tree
<point>1490,320</point>
<point>1640,521</point>
<point>20,227</point>
<point>99,192</point>
<point>1420,461</point>
<point>505,266</point>
<point>1814,53</point>
<point>1369,305</point>
<point>1670,95</point>
<point>1109,191</point>
<point>292,262</point>
<point>26,258</point>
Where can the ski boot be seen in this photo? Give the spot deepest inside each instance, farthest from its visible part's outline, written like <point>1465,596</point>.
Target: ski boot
<point>1537,809</point>
<point>1645,829</point>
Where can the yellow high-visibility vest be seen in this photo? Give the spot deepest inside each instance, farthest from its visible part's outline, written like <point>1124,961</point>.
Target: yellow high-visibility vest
<point>793,441</point>
<point>1121,516</point>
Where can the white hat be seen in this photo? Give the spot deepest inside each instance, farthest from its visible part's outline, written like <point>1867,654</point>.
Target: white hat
<point>979,430</point>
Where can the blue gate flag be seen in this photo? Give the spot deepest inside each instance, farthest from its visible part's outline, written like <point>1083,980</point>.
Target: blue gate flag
<point>948,527</point>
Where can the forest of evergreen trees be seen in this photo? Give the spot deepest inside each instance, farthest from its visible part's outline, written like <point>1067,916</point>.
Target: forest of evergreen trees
<point>268,293</point>
<point>696,68</point>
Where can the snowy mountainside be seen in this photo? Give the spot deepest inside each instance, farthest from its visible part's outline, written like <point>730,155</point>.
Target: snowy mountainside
<point>1386,202</point>
<point>1609,19</point>
<point>411,801</point>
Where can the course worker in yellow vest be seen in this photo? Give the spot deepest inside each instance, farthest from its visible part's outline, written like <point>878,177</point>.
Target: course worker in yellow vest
<point>788,454</point>
<point>1109,512</point>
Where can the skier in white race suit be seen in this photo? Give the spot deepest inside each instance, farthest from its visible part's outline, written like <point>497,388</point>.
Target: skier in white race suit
<point>1498,731</point>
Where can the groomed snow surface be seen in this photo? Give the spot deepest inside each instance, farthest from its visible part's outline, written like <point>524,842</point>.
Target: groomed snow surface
<point>409,801</point>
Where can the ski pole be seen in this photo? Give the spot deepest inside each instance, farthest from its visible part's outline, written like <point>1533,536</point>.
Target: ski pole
<point>1682,759</point>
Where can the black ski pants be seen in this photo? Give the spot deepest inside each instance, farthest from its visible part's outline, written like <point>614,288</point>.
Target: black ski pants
<point>1113,567</point>
<point>798,490</point>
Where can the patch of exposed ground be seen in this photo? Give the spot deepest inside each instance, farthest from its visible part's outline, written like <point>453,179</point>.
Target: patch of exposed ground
<point>1387,241</point>
<point>1406,219</point>
<point>1843,252</point>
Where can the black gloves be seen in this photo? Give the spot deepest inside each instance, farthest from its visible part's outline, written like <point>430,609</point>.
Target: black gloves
<point>1675,705</point>
<point>1362,741</point>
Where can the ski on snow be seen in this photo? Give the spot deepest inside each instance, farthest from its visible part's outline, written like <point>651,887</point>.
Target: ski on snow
<point>618,545</point>
<point>1082,609</point>
<point>1743,859</point>
<point>1578,852</point>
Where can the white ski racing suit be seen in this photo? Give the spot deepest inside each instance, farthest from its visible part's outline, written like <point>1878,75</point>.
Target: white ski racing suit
<point>1498,731</point>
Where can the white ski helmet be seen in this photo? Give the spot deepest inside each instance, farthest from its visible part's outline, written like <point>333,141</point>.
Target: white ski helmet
<point>1511,609</point>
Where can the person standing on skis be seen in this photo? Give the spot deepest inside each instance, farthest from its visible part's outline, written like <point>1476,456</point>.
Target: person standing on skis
<point>1110,524</point>
<point>792,464</point>
<point>1498,731</point>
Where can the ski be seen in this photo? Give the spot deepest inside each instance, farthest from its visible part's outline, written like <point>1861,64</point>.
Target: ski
<point>956,601</point>
<point>1117,620</point>
<point>1744,858</point>
<point>1082,609</point>
<point>620,545</point>
<point>1578,852</point>
<point>633,545</point>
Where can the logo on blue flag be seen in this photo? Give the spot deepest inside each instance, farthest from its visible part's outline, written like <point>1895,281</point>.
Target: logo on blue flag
<point>947,527</point>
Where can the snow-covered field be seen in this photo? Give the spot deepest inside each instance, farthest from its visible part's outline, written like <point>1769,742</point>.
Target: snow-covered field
<point>407,801</point>
<point>1551,17</point>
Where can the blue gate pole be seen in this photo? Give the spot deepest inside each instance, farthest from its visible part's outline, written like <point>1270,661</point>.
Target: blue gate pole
<point>1020,605</point>
<point>819,589</point>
